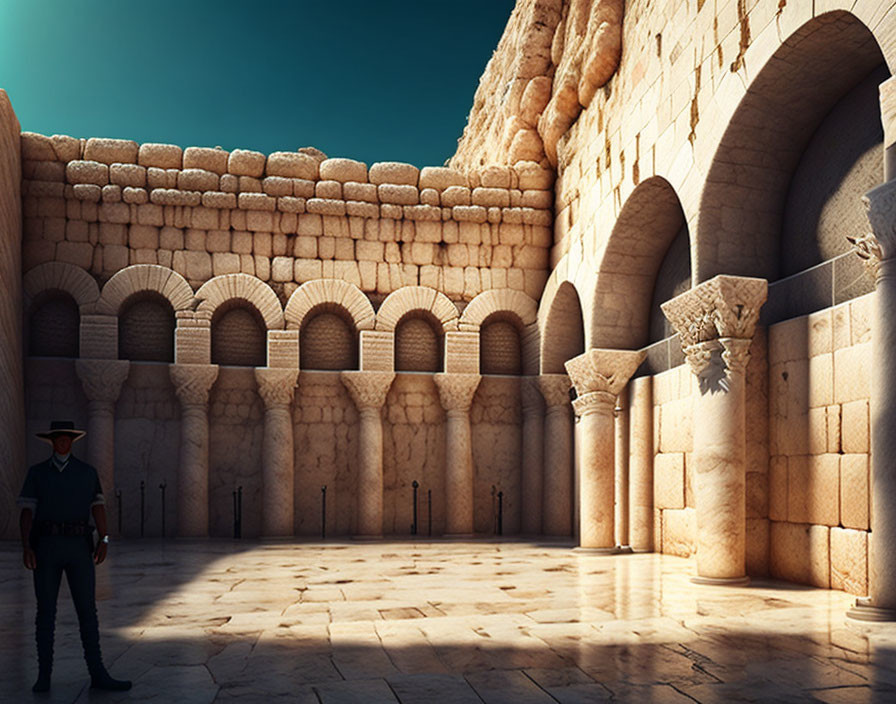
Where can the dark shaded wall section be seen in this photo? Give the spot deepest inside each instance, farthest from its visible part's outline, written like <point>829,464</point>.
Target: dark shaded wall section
<point>12,398</point>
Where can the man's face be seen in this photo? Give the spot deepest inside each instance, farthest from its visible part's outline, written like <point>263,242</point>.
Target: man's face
<point>62,443</point>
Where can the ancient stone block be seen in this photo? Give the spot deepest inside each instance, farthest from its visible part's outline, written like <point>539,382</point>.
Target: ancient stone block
<point>343,170</point>
<point>777,489</point>
<point>668,486</point>
<point>244,162</point>
<point>800,552</point>
<point>532,176</point>
<point>849,560</point>
<point>197,180</point>
<point>143,237</point>
<point>854,494</point>
<point>679,532</point>
<point>393,172</point>
<point>163,156</point>
<point>854,426</point>
<point>77,253</point>
<point>325,206</point>
<point>218,199</point>
<point>440,178</point>
<point>398,194</point>
<point>135,196</point>
<point>852,372</point>
<point>491,197</point>
<point>225,263</point>
<point>292,165</point>
<point>307,270</point>
<point>87,172</point>
<point>110,151</point>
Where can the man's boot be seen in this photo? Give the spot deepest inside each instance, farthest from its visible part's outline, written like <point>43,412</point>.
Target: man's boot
<point>44,656</point>
<point>99,677</point>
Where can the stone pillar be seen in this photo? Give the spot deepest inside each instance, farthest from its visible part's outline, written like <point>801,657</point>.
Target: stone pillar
<point>556,516</point>
<point>716,321</point>
<point>277,389</point>
<point>456,394</point>
<point>599,375</point>
<point>621,466</point>
<point>640,465</point>
<point>532,470</point>
<point>368,390</point>
<point>102,380</point>
<point>879,249</point>
<point>192,383</point>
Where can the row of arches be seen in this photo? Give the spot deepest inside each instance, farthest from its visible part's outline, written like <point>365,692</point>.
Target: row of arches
<point>148,300</point>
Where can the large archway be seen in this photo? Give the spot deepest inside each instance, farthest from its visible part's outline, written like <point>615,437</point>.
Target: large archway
<point>563,336</point>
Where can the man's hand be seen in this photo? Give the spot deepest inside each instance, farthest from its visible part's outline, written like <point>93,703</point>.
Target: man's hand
<point>100,553</point>
<point>29,558</point>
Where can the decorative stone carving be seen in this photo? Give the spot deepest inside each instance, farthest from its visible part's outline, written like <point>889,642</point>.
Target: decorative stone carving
<point>735,354</point>
<point>599,376</point>
<point>724,306</point>
<point>192,383</point>
<point>277,389</point>
<point>532,479</point>
<point>456,394</point>
<point>557,498</point>
<point>368,390</point>
<point>102,380</point>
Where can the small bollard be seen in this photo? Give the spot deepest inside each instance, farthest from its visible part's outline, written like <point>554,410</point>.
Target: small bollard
<point>323,512</point>
<point>142,506</point>
<point>429,512</point>
<point>494,509</point>
<point>118,499</point>
<point>162,489</point>
<point>500,513</point>
<point>414,485</point>
<point>238,512</point>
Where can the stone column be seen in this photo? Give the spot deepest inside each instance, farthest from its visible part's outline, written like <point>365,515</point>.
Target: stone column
<point>556,516</point>
<point>102,380</point>
<point>599,376</point>
<point>277,389</point>
<point>640,464</point>
<point>456,394</point>
<point>368,390</point>
<point>621,466</point>
<point>879,250</point>
<point>716,321</point>
<point>532,470</point>
<point>192,383</point>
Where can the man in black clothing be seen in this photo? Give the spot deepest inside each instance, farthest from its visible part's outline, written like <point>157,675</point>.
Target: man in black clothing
<point>57,500</point>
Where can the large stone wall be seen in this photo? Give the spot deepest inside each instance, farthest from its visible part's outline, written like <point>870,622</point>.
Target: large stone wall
<point>11,371</point>
<point>819,384</point>
<point>286,218</point>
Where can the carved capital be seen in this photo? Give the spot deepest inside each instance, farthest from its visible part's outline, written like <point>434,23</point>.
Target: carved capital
<point>555,389</point>
<point>724,306</point>
<point>735,354</point>
<point>102,378</point>
<point>713,360</point>
<point>530,395</point>
<point>192,382</point>
<point>699,356</point>
<point>595,402</point>
<point>879,244</point>
<point>603,370</point>
<point>368,389</point>
<point>456,390</point>
<point>276,386</point>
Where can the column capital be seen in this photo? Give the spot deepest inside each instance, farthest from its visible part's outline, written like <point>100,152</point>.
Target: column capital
<point>192,382</point>
<point>604,371</point>
<point>456,390</point>
<point>102,378</point>
<point>368,389</point>
<point>594,402</point>
<point>724,306</point>
<point>530,395</point>
<point>276,386</point>
<point>555,389</point>
<point>879,244</point>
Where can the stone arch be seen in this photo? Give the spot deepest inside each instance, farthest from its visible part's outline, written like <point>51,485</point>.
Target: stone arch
<point>333,292</point>
<point>562,326</point>
<point>505,305</point>
<point>649,221</point>
<point>61,276</point>
<point>417,298</point>
<point>798,81</point>
<point>145,277</point>
<point>229,287</point>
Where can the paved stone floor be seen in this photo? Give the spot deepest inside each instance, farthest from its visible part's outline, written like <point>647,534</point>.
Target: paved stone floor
<point>427,623</point>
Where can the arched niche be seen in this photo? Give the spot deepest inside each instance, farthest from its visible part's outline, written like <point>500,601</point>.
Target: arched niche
<point>419,342</point>
<point>239,335</point>
<point>328,339</point>
<point>53,325</point>
<point>146,328</point>
<point>501,344</point>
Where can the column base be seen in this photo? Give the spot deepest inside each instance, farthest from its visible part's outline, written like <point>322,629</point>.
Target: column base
<point>865,611</point>
<point>721,581</point>
<point>624,550</point>
<point>595,551</point>
<point>641,551</point>
<point>367,538</point>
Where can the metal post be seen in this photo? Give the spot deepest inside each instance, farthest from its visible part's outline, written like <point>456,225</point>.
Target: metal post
<point>323,511</point>
<point>429,511</point>
<point>500,513</point>
<point>235,529</point>
<point>162,489</point>
<point>494,510</point>
<point>414,484</point>
<point>118,498</point>
<point>142,506</point>
<point>239,511</point>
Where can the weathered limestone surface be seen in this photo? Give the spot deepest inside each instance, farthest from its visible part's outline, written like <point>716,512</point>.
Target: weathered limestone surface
<point>557,506</point>
<point>12,399</point>
<point>641,464</point>
<point>277,389</point>
<point>532,469</point>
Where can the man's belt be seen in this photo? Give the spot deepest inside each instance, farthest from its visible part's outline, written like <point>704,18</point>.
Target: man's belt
<point>62,528</point>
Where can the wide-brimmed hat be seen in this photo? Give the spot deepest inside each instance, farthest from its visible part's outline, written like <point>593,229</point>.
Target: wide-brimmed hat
<point>61,427</point>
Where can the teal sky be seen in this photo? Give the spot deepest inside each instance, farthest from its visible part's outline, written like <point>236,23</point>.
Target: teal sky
<point>374,80</point>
